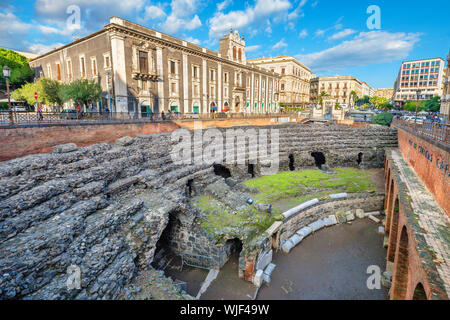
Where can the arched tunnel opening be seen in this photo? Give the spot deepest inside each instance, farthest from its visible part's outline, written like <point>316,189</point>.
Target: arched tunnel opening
<point>190,188</point>
<point>234,249</point>
<point>319,159</point>
<point>222,171</point>
<point>163,252</point>
<point>251,170</point>
<point>360,158</point>
<point>291,162</point>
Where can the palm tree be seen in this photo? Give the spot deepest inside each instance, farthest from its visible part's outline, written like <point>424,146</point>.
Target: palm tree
<point>321,96</point>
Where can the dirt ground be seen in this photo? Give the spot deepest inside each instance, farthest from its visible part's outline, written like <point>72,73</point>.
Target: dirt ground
<point>329,265</point>
<point>228,285</point>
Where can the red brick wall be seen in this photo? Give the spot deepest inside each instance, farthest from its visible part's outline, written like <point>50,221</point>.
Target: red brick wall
<point>436,179</point>
<point>20,142</point>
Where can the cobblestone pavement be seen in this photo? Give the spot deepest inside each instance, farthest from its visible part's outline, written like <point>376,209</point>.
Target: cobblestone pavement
<point>431,218</point>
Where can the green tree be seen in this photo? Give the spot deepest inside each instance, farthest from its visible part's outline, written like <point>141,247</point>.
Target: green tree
<point>25,93</point>
<point>384,119</point>
<point>50,91</point>
<point>363,100</point>
<point>21,71</point>
<point>411,106</point>
<point>81,92</point>
<point>321,97</point>
<point>380,103</point>
<point>433,105</point>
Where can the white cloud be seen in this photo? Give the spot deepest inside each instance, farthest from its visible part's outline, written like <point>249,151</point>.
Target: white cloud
<point>314,4</point>
<point>297,12</point>
<point>365,49</point>
<point>279,45</point>
<point>222,5</point>
<point>303,33</point>
<point>39,48</point>
<point>319,33</point>
<point>342,34</point>
<point>193,40</point>
<point>153,13</point>
<point>12,30</point>
<point>182,16</point>
<point>221,22</point>
<point>173,24</point>
<point>252,48</point>
<point>94,14</point>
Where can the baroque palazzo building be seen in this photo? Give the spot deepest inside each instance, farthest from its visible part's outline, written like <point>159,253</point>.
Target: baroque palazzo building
<point>295,78</point>
<point>142,71</point>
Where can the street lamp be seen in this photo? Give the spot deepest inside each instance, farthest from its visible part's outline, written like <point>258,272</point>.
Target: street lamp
<point>7,74</point>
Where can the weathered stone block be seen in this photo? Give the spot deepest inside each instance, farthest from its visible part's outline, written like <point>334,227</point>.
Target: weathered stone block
<point>125,141</point>
<point>65,148</point>
<point>341,217</point>
<point>360,213</point>
<point>350,216</point>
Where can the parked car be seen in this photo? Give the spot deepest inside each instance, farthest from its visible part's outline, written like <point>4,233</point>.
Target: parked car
<point>69,114</point>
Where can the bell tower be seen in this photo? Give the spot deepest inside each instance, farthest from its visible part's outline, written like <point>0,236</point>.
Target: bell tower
<point>232,47</point>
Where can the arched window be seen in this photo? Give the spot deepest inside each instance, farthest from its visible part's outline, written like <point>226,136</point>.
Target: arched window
<point>240,54</point>
<point>234,53</point>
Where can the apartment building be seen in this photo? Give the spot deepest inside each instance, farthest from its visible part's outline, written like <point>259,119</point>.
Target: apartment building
<point>384,93</point>
<point>419,80</point>
<point>339,88</point>
<point>295,78</point>
<point>140,69</point>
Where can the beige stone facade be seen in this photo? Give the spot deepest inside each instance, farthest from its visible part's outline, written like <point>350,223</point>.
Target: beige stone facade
<point>143,70</point>
<point>339,88</point>
<point>419,79</point>
<point>295,78</point>
<point>384,93</point>
<point>445,98</point>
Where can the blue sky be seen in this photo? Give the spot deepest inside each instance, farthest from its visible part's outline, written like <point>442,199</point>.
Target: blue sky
<point>330,37</point>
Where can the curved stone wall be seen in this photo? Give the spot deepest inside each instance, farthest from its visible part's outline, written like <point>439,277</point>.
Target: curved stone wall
<point>103,208</point>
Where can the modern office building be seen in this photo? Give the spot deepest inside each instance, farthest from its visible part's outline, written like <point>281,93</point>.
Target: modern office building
<point>295,78</point>
<point>140,69</point>
<point>419,80</point>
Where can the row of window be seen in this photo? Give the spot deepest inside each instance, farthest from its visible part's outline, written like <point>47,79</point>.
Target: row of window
<point>432,70</point>
<point>420,83</point>
<point>83,70</point>
<point>423,64</point>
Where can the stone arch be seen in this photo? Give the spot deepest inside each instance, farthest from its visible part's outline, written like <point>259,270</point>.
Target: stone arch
<point>360,158</point>
<point>319,159</point>
<point>419,292</point>
<point>221,170</point>
<point>251,170</point>
<point>291,162</point>
<point>402,268</point>
<point>395,213</point>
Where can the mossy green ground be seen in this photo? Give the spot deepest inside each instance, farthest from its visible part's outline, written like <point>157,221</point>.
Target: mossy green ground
<point>288,189</point>
<point>284,191</point>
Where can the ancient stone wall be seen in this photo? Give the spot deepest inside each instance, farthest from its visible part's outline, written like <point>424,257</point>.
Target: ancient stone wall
<point>101,209</point>
<point>366,202</point>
